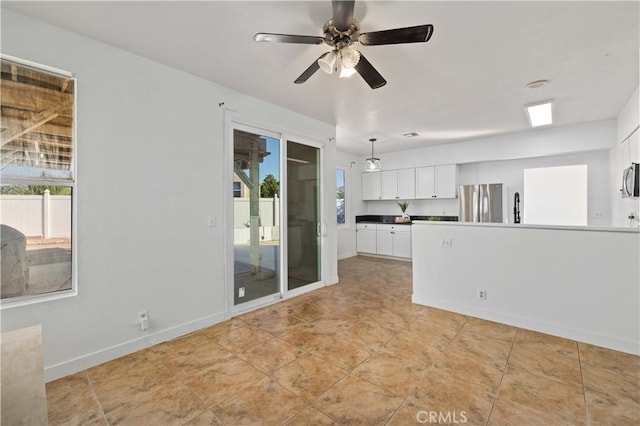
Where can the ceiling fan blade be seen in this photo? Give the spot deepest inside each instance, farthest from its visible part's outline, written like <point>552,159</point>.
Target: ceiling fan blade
<point>369,73</point>
<point>417,34</point>
<point>310,71</point>
<point>288,38</point>
<point>342,14</point>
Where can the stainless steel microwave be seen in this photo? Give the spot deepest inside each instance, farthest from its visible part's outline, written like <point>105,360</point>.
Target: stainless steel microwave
<point>631,181</point>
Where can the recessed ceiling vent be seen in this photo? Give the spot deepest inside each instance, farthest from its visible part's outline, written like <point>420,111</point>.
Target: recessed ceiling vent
<point>537,84</point>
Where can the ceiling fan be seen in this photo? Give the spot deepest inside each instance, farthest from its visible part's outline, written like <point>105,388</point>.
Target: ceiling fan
<point>341,32</point>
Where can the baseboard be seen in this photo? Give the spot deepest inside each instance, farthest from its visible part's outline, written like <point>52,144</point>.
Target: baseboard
<point>580,335</point>
<point>75,365</point>
<point>347,255</point>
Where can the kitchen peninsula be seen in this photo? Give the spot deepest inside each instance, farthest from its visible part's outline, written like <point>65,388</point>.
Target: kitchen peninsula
<point>581,283</point>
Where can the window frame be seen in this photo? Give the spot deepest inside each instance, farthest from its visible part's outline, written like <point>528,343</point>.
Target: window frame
<point>347,222</point>
<point>72,183</point>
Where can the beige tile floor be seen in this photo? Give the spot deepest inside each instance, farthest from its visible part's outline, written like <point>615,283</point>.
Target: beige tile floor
<point>356,353</point>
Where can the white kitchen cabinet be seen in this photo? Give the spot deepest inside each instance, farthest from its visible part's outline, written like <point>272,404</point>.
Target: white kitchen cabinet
<point>384,240</point>
<point>406,184</point>
<point>402,241</point>
<point>397,184</point>
<point>389,184</point>
<point>634,148</point>
<point>371,186</point>
<point>366,235</point>
<point>394,240</point>
<point>436,181</point>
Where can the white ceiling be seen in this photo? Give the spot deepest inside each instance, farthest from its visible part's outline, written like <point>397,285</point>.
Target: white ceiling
<point>468,81</point>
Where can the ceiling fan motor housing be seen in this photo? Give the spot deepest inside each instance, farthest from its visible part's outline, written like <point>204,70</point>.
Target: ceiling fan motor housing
<point>340,39</point>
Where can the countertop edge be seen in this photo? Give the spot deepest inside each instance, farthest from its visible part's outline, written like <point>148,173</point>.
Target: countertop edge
<point>525,226</point>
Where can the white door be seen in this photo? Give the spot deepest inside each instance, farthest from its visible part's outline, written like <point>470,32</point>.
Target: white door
<point>402,242</point>
<point>366,240</point>
<point>445,177</point>
<point>407,184</point>
<point>425,182</point>
<point>385,242</point>
<point>371,186</point>
<point>389,185</point>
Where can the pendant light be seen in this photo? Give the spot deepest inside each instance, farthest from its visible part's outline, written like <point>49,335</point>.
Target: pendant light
<point>373,163</point>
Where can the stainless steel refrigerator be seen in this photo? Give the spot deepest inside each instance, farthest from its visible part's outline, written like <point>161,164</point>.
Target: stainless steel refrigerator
<point>482,203</point>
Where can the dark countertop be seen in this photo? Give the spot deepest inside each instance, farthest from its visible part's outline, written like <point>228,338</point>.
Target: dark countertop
<point>390,219</point>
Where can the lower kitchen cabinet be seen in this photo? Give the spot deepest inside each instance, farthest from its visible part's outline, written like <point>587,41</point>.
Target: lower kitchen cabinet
<point>385,240</point>
<point>366,238</point>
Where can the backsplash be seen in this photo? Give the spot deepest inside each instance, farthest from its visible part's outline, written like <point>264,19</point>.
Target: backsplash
<point>443,207</point>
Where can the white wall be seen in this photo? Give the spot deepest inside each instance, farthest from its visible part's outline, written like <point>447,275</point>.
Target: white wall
<point>353,165</point>
<point>578,284</point>
<point>152,249</point>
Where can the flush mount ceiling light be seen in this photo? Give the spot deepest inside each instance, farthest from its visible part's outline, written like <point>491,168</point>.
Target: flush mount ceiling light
<point>410,135</point>
<point>373,163</point>
<point>540,113</point>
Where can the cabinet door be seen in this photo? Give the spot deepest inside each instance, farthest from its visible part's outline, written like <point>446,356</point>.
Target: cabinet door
<point>407,184</point>
<point>402,243</point>
<point>371,186</point>
<point>445,177</point>
<point>389,184</point>
<point>385,243</point>
<point>425,182</point>
<point>634,148</point>
<point>366,241</point>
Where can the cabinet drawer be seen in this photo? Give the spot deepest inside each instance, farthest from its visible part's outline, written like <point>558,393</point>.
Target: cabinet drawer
<point>396,228</point>
<point>367,226</point>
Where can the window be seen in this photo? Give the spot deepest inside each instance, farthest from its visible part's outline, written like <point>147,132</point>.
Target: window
<point>237,189</point>
<point>341,206</point>
<point>37,174</point>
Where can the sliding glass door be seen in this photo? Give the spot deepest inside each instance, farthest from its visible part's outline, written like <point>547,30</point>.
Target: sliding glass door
<point>276,214</point>
<point>256,216</point>
<point>304,239</point>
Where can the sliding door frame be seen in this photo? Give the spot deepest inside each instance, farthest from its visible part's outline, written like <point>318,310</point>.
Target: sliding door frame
<point>233,120</point>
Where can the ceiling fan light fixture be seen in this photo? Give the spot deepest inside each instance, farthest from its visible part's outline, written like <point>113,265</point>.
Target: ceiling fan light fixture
<point>373,163</point>
<point>328,62</point>
<point>347,72</point>
<point>349,57</point>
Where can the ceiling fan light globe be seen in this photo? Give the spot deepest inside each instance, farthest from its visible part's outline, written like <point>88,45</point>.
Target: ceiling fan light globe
<point>349,57</point>
<point>346,72</point>
<point>327,63</point>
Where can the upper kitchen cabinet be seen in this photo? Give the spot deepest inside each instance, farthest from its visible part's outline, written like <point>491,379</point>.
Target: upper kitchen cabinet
<point>389,185</point>
<point>436,181</point>
<point>398,184</point>
<point>371,189</point>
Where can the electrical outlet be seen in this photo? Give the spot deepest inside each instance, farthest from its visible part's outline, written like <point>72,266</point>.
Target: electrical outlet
<point>482,294</point>
<point>241,292</point>
<point>143,320</point>
<point>445,242</point>
<point>599,214</point>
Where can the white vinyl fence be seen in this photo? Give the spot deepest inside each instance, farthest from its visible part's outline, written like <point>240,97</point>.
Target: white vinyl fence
<point>46,216</point>
<point>269,220</point>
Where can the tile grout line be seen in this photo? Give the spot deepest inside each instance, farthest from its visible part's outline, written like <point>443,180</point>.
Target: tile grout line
<point>495,398</point>
<point>95,395</point>
<point>584,391</point>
